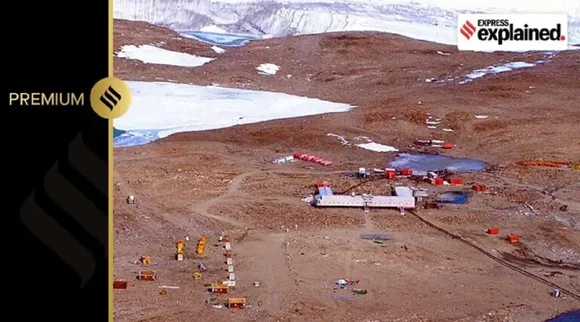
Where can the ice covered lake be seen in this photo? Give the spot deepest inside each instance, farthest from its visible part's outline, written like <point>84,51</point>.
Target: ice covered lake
<point>160,109</point>
<point>219,38</point>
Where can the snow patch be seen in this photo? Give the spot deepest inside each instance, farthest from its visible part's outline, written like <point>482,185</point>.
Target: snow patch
<point>160,109</point>
<point>155,55</point>
<point>376,147</point>
<point>478,73</point>
<point>213,28</point>
<point>218,50</point>
<point>268,69</point>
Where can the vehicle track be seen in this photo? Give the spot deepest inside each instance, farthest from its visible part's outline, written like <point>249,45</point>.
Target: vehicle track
<point>499,260</point>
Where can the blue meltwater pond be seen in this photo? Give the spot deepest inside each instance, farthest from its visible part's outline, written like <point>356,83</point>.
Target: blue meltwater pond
<point>429,162</point>
<point>572,316</point>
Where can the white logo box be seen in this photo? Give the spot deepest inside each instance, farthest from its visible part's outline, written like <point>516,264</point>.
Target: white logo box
<point>471,26</point>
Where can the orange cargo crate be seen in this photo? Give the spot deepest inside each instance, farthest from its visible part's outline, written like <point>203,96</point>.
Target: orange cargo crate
<point>456,181</point>
<point>120,285</point>
<point>479,188</point>
<point>513,238</point>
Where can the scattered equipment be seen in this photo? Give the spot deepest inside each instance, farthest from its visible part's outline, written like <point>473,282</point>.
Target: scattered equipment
<point>363,173</point>
<point>197,275</point>
<point>201,245</point>
<point>180,245</point>
<point>145,260</point>
<point>148,276</point>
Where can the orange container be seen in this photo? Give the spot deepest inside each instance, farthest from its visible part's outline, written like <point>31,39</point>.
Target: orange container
<point>120,285</point>
<point>513,238</point>
<point>448,146</point>
<point>479,188</point>
<point>406,172</point>
<point>456,181</point>
<point>391,175</point>
<point>493,231</point>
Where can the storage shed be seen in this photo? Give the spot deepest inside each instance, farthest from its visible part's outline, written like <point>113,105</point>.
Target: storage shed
<point>147,276</point>
<point>219,288</point>
<point>237,303</point>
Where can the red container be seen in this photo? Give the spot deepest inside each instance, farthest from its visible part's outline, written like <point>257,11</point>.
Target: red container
<point>438,181</point>
<point>119,285</point>
<point>310,158</point>
<point>317,159</point>
<point>391,175</point>
<point>297,155</point>
<point>406,172</point>
<point>448,146</point>
<point>479,188</point>
<point>493,231</point>
<point>513,238</point>
<point>304,157</point>
<point>456,181</point>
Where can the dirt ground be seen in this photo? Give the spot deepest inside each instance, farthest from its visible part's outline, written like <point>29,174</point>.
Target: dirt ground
<point>223,182</point>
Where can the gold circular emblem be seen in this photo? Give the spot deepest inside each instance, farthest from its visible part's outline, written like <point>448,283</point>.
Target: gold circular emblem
<point>110,98</point>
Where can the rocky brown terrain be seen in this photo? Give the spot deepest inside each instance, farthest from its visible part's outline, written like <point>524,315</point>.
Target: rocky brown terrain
<point>223,182</point>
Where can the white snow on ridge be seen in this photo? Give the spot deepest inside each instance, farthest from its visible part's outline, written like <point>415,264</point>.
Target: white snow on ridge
<point>218,50</point>
<point>268,69</point>
<point>155,55</point>
<point>430,20</point>
<point>160,109</point>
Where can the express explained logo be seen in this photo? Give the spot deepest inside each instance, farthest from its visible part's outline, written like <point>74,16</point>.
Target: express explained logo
<point>501,31</point>
<point>467,30</point>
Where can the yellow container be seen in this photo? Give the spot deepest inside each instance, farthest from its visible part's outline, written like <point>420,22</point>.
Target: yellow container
<point>575,166</point>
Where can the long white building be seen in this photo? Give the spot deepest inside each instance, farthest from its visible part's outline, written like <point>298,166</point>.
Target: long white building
<point>398,202</point>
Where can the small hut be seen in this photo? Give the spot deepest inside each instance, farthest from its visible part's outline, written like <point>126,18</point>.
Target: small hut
<point>237,303</point>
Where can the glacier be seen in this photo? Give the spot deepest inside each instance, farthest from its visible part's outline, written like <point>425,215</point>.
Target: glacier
<point>429,20</point>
